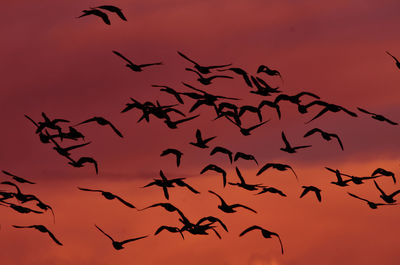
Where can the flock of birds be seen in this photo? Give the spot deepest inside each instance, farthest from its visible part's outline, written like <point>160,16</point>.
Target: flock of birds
<point>52,132</point>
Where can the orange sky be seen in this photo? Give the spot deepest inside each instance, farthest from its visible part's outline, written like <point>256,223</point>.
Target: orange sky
<point>54,63</point>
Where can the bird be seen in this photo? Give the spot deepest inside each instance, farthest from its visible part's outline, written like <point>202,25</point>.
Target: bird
<point>47,123</point>
<point>175,152</point>
<point>230,208</point>
<point>16,178</point>
<point>371,205</point>
<point>384,172</point>
<point>340,182</point>
<point>223,150</point>
<point>83,160</point>
<point>388,198</point>
<point>328,107</point>
<point>207,80</point>
<point>173,124</point>
<point>170,229</point>
<point>295,99</point>
<point>395,59</point>
<point>277,166</point>
<point>271,190</point>
<point>271,105</point>
<point>216,169</point>
<point>314,189</point>
<point>43,229</point>
<point>19,208</point>
<point>325,135</point>
<point>114,9</point>
<point>200,68</point>
<point>200,142</point>
<point>64,151</point>
<point>288,148</point>
<point>241,72</point>
<point>109,196</point>
<point>171,91</point>
<point>268,71</point>
<point>265,233</point>
<point>249,108</point>
<point>245,157</point>
<point>378,117</point>
<point>98,13</point>
<point>247,131</point>
<point>135,67</point>
<point>118,245</point>
<point>103,122</point>
<point>262,88</point>
<point>243,183</point>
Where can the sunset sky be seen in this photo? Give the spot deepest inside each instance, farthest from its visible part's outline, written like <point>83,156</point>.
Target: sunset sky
<point>55,63</point>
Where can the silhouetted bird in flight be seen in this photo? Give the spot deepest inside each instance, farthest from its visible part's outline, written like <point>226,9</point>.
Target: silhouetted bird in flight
<point>132,66</point>
<point>241,72</point>
<point>19,208</point>
<point>178,154</point>
<point>16,178</point>
<point>288,148</point>
<point>219,149</point>
<point>174,124</point>
<point>243,183</point>
<point>247,131</point>
<point>325,135</point>
<point>271,105</point>
<point>388,198</point>
<point>119,244</point>
<point>109,196</point>
<point>265,233</point>
<point>72,134</point>
<point>230,208</point>
<point>262,88</point>
<point>170,229</point>
<point>207,80</point>
<point>245,157</point>
<point>271,190</point>
<point>83,160</point>
<point>103,122</point>
<point>277,166</point>
<point>377,117</point>
<point>171,91</point>
<point>47,123</point>
<point>167,206</point>
<point>372,205</point>
<point>295,99</point>
<point>328,107</point>
<point>268,71</point>
<point>98,13</point>
<point>200,142</point>
<point>313,189</point>
<point>340,182</point>
<point>200,68</point>
<point>248,108</point>
<point>43,229</point>
<point>395,59</point>
<point>384,172</point>
<point>64,151</point>
<point>113,9</point>
<point>216,169</point>
<point>44,138</point>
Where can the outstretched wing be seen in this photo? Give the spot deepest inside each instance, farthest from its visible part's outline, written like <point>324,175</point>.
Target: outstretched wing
<point>132,239</point>
<point>123,57</point>
<point>251,228</point>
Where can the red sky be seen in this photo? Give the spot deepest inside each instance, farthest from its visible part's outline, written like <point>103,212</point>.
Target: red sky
<point>54,63</point>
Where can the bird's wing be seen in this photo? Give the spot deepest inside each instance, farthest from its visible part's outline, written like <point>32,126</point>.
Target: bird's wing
<point>319,114</point>
<point>104,233</point>
<point>305,191</point>
<point>54,238</point>
<point>150,64</point>
<point>284,139</point>
<point>181,183</point>
<point>265,167</point>
<point>125,202</point>
<point>380,190</point>
<point>365,111</point>
<point>88,120</point>
<point>338,139</point>
<point>123,57</point>
<point>251,228</point>
<point>29,118</point>
<point>76,146</point>
<point>115,130</point>
<point>220,198</point>
<point>312,131</point>
<point>355,196</point>
<point>132,239</point>
<point>242,206</point>
<point>85,189</point>
<point>187,58</point>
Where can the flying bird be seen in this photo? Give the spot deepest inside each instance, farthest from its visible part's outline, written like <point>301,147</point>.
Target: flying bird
<point>328,107</point>
<point>114,9</point>
<point>388,198</point>
<point>378,117</point>
<point>277,166</point>
<point>243,183</point>
<point>216,169</point>
<point>271,190</point>
<point>241,72</point>
<point>223,150</point>
<point>83,160</point>
<point>230,208</point>
<point>175,152</point>
<point>103,122</point>
<point>288,148</point>
<point>16,178</point>
<point>268,71</point>
<point>384,172</point>
<point>200,142</point>
<point>43,229</point>
<point>340,182</point>
<point>135,67</point>
<point>200,68</point>
<point>109,196</point>
<point>395,59</point>
<point>325,135</point>
<point>171,91</point>
<point>119,244</point>
<point>98,13</point>
<point>371,205</point>
<point>245,157</point>
<point>314,189</point>
<point>265,233</point>
<point>173,124</point>
<point>207,80</point>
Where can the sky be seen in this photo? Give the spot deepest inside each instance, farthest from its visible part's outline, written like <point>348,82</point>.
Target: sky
<point>55,63</point>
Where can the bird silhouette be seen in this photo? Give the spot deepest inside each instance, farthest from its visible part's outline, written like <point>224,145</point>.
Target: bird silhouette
<point>395,59</point>
<point>200,68</point>
<point>174,124</point>
<point>223,150</point>
<point>248,108</point>
<point>384,172</point>
<point>19,208</point>
<point>16,178</point>
<point>119,244</point>
<point>230,208</point>
<point>98,13</point>
<point>245,157</point>
<point>171,91</point>
<point>295,99</point>
<point>207,80</point>
<point>109,196</point>
<point>43,229</point>
<point>64,151</point>
<point>103,122</point>
<point>371,205</point>
<point>241,72</point>
<point>200,142</point>
<point>83,160</point>
<point>247,131</point>
<point>243,183</point>
<point>378,117</point>
<point>268,71</point>
<point>132,66</point>
<point>314,189</point>
<point>388,198</point>
<point>175,152</point>
<point>325,135</point>
<point>328,107</point>
<point>262,88</point>
<point>271,190</point>
<point>265,233</point>
<point>216,169</point>
<point>271,105</point>
<point>114,9</point>
<point>170,229</point>
<point>288,148</point>
<point>340,182</point>
<point>277,166</point>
